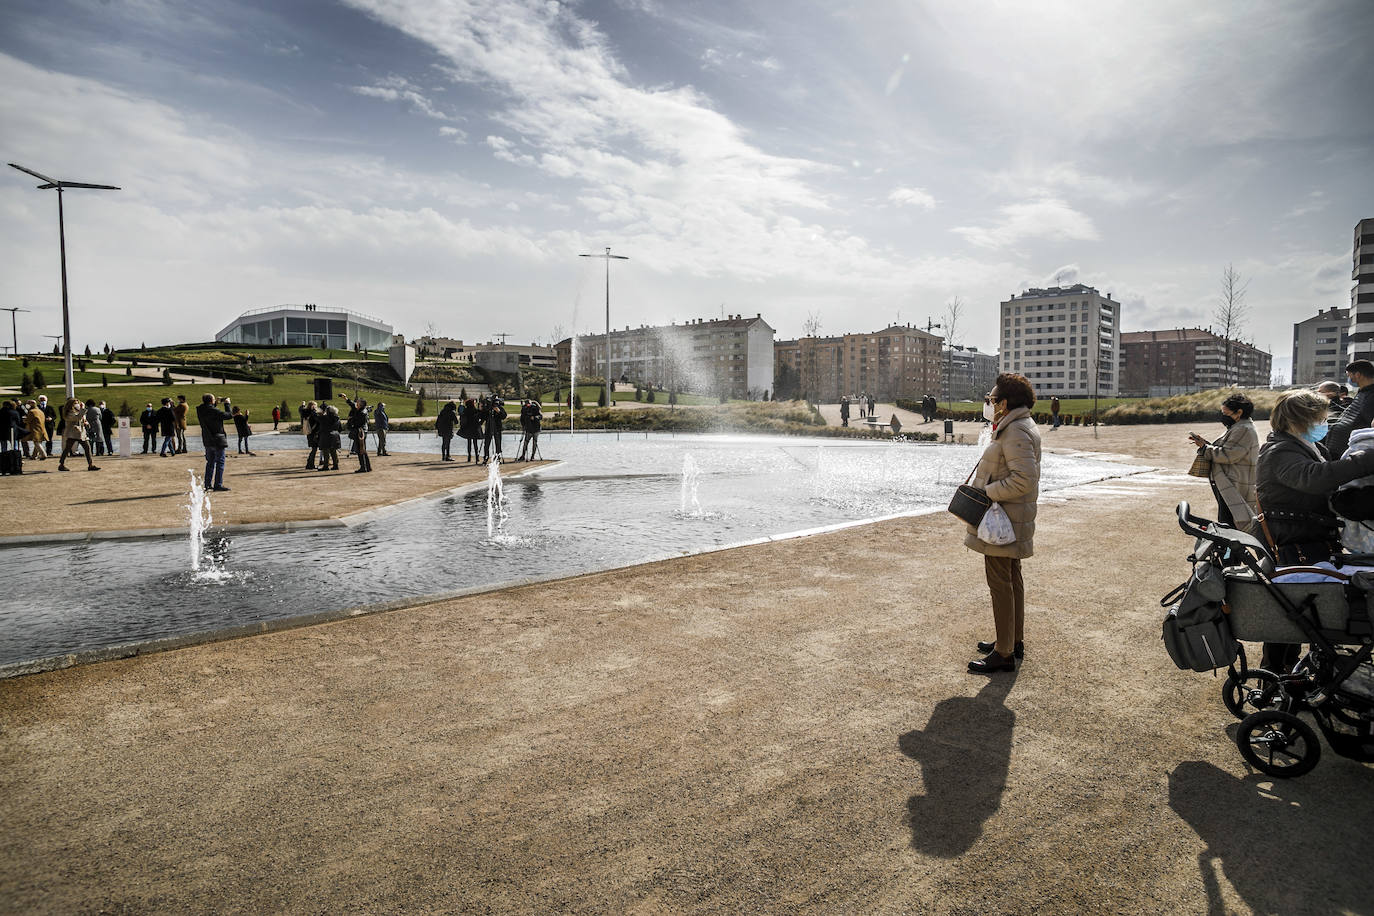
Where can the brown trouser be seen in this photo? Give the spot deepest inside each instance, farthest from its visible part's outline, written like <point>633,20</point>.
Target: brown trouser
<point>1008,601</point>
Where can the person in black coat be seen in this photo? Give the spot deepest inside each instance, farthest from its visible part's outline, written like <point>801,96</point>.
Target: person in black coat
<point>357,431</point>
<point>382,422</point>
<point>49,418</point>
<point>491,428</point>
<point>531,420</point>
<point>11,426</point>
<point>470,427</point>
<point>1360,413</point>
<point>1294,482</point>
<point>148,419</point>
<point>211,419</point>
<point>310,426</point>
<point>167,426</point>
<point>108,421</point>
<point>330,441</point>
<point>444,425</point>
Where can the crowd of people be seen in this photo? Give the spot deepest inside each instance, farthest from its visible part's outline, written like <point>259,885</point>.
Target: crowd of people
<point>478,422</point>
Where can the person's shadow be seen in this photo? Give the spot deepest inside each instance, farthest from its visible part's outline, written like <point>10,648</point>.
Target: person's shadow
<point>1285,845</point>
<point>964,752</point>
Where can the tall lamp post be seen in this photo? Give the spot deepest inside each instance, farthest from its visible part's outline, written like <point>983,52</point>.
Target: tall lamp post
<point>60,186</point>
<point>14,328</point>
<point>608,257</point>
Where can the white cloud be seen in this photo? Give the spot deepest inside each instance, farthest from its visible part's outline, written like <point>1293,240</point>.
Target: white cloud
<point>1066,179</point>
<point>399,89</point>
<point>912,197</point>
<point>1046,219</point>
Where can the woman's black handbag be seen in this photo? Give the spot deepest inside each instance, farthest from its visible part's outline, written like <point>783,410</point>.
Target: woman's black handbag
<point>970,503</point>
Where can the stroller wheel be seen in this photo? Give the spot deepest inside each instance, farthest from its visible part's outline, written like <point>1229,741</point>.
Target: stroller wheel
<point>1259,690</point>
<point>1278,743</point>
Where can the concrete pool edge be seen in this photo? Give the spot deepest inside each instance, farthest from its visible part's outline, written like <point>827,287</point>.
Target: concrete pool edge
<point>224,634</point>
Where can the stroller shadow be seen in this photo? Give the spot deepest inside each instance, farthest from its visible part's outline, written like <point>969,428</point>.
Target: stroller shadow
<point>964,752</point>
<point>1286,846</point>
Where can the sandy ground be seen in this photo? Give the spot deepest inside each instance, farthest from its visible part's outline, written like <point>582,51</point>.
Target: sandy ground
<point>146,491</point>
<point>781,728</point>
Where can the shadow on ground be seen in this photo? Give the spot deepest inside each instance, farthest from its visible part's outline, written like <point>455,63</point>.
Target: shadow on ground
<point>964,752</point>
<point>1285,845</point>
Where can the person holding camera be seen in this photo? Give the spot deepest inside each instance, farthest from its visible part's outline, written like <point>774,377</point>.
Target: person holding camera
<point>357,431</point>
<point>531,420</point>
<point>495,416</point>
<point>211,418</point>
<point>382,422</point>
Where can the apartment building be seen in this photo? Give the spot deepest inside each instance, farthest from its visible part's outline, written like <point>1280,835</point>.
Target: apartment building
<point>1362,292</point>
<point>898,361</point>
<point>732,355</point>
<point>1179,360</point>
<point>1320,344</point>
<point>1065,340</point>
<point>967,374</point>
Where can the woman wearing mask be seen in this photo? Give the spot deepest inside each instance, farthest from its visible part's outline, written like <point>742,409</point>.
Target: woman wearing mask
<point>1233,459</point>
<point>74,434</point>
<point>1294,482</point>
<point>1009,471</point>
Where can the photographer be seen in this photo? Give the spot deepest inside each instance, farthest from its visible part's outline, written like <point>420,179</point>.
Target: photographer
<point>357,431</point>
<point>216,442</point>
<point>382,424</point>
<point>531,419</point>
<point>494,417</point>
<point>328,426</point>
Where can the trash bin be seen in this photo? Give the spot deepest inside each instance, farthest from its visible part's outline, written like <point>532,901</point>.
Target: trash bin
<point>324,390</point>
<point>949,429</point>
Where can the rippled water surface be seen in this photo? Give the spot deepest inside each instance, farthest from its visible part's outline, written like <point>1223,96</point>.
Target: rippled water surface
<point>612,501</point>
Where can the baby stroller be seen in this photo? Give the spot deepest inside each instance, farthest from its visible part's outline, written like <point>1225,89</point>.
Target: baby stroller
<point>1236,593</point>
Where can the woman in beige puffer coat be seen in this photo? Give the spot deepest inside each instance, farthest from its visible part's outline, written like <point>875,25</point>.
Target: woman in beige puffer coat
<point>1009,471</point>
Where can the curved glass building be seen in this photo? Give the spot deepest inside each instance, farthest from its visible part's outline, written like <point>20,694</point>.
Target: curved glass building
<point>307,326</point>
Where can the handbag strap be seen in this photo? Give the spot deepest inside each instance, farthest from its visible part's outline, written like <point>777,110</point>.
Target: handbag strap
<point>1264,526</point>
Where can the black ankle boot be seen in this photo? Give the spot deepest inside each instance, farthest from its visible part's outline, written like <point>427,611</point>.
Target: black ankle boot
<point>1019,651</point>
<point>992,663</point>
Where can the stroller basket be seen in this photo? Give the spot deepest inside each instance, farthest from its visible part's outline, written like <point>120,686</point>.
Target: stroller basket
<point>1337,608</point>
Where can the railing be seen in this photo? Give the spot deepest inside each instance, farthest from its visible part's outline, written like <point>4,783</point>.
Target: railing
<point>334,311</point>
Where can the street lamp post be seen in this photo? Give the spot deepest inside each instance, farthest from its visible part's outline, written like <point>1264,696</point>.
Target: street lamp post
<point>14,328</point>
<point>608,257</point>
<point>60,186</point>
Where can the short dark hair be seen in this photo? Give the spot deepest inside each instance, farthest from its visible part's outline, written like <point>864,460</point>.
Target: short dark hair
<point>1241,403</point>
<point>207,399</point>
<point>1013,388</point>
<point>1362,366</point>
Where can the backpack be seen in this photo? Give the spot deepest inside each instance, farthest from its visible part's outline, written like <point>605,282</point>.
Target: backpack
<point>1197,631</point>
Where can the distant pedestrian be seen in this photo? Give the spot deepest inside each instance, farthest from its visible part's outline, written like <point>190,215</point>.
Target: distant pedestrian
<point>470,427</point>
<point>181,409</point>
<point>531,420</point>
<point>276,417</point>
<point>844,411</point>
<point>11,426</point>
<point>872,406</point>
<point>1054,412</point>
<point>496,415</point>
<point>330,440</point>
<point>243,430</point>
<point>49,419</point>
<point>211,418</point>
<point>36,424</point>
<point>382,423</point>
<point>97,441</point>
<point>310,427</point>
<point>167,425</point>
<point>148,419</point>
<point>108,421</point>
<point>74,435</point>
<point>444,427</point>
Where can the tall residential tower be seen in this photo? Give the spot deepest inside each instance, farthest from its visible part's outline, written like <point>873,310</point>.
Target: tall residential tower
<point>1065,340</point>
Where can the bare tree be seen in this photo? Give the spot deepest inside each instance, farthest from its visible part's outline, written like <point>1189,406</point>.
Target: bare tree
<point>809,381</point>
<point>1230,315</point>
<point>812,325</point>
<point>557,334</point>
<point>954,310</point>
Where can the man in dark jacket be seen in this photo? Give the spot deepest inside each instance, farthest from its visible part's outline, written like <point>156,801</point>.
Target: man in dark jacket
<point>531,420</point>
<point>216,442</point>
<point>108,421</point>
<point>1359,414</point>
<point>148,419</point>
<point>381,422</point>
<point>491,428</point>
<point>167,425</point>
<point>310,426</point>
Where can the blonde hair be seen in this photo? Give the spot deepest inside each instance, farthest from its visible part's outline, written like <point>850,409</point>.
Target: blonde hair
<point>1296,411</point>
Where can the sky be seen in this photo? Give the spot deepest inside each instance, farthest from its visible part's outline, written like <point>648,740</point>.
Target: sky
<point>441,164</point>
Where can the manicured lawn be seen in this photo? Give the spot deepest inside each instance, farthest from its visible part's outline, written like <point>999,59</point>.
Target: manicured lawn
<point>12,372</point>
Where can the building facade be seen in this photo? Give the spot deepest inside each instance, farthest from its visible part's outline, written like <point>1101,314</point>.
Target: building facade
<point>898,361</point>
<point>1320,345</point>
<point>732,355</point>
<point>1362,292</point>
<point>1065,340</point>
<point>1179,360</point>
<point>308,326</point>
<point>967,374</point>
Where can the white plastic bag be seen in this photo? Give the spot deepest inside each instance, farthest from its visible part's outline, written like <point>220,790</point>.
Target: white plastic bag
<point>995,528</point>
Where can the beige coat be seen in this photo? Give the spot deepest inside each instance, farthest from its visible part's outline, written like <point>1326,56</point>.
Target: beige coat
<point>1010,473</point>
<point>1233,469</point>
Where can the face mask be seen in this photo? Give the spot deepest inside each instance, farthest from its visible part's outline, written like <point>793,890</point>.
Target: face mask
<point>1316,433</point>
<point>1227,422</point>
<point>989,412</point>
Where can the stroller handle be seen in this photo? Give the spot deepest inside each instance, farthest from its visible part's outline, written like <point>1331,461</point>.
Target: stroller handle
<point>1208,530</point>
<point>1192,524</point>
